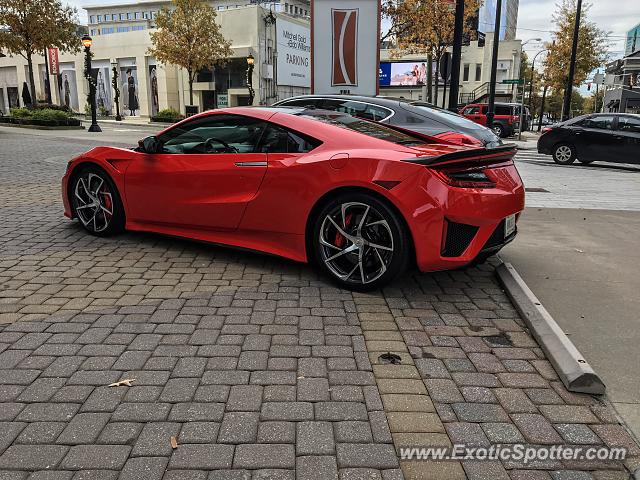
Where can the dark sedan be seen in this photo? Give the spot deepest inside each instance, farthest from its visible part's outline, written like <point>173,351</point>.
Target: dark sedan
<point>420,117</point>
<point>607,137</point>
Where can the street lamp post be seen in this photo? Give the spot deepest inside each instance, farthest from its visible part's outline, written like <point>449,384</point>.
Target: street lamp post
<point>533,71</point>
<point>252,93</point>
<point>86,41</point>
<point>524,85</point>
<point>116,89</point>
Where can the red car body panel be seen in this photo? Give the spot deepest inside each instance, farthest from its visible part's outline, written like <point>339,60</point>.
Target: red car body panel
<point>267,208</point>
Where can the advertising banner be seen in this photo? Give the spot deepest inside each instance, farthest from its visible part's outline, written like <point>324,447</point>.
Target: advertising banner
<point>294,53</point>
<point>54,64</point>
<point>345,43</point>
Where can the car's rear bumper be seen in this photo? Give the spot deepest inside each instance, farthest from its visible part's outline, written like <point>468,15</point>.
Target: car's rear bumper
<point>457,225</point>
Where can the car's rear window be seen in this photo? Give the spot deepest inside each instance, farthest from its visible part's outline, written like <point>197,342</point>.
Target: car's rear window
<point>365,127</point>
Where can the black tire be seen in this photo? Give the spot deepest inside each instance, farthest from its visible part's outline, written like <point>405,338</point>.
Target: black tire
<point>564,154</point>
<point>498,130</point>
<point>362,267</point>
<point>95,202</point>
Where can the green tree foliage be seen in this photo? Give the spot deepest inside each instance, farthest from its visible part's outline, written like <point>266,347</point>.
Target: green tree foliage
<point>30,27</point>
<point>592,46</point>
<point>189,37</point>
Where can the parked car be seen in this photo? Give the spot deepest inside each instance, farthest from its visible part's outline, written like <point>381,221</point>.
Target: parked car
<point>608,137</point>
<point>359,199</point>
<point>506,118</point>
<point>416,116</point>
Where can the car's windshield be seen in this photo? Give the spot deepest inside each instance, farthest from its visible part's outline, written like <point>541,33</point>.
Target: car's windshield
<point>365,127</point>
<point>451,116</point>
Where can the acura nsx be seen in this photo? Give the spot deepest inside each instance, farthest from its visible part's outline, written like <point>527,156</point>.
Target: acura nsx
<point>361,200</point>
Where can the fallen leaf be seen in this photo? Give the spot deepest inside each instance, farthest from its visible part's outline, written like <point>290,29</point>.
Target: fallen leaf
<point>578,250</point>
<point>125,382</point>
<point>174,443</point>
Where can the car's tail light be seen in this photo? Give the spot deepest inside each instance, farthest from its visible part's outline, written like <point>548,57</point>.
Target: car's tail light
<point>459,138</point>
<point>545,130</point>
<point>464,177</point>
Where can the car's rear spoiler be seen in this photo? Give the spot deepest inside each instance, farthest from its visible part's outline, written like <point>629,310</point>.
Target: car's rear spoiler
<point>473,156</point>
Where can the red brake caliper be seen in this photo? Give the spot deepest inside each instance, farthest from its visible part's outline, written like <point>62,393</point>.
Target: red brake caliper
<point>339,240</point>
<point>107,199</point>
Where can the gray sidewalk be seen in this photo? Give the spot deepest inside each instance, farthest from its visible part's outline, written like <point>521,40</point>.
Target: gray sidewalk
<point>583,266</point>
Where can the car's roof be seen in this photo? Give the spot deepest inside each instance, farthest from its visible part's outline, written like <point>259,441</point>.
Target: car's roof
<point>377,100</point>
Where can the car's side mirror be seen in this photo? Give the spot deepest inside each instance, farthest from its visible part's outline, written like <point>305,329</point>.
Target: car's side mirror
<point>149,144</point>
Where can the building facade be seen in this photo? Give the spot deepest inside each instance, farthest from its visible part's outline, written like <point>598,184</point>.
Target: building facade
<point>121,39</point>
<point>622,85</point>
<point>397,74</point>
<point>508,18</point>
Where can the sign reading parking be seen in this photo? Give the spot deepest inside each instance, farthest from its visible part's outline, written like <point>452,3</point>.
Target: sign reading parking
<point>294,53</point>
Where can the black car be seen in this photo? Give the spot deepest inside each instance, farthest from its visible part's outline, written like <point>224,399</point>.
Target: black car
<point>419,117</point>
<point>608,137</point>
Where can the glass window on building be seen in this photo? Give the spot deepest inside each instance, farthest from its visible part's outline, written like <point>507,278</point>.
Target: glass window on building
<point>92,19</point>
<point>138,15</point>
<point>94,32</point>
<point>99,18</point>
<point>122,16</point>
<point>153,15</point>
<point>123,29</point>
<point>145,15</point>
<point>465,72</point>
<point>129,16</point>
<point>137,27</point>
<point>478,72</point>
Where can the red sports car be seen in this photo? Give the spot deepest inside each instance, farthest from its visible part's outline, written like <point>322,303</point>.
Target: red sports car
<point>360,199</point>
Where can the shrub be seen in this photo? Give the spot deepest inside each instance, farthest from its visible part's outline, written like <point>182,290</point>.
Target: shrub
<point>167,115</point>
<point>49,114</point>
<point>52,106</point>
<point>20,113</point>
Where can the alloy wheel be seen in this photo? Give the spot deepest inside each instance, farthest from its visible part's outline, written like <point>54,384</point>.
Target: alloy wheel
<point>93,201</point>
<point>563,153</point>
<point>356,243</point>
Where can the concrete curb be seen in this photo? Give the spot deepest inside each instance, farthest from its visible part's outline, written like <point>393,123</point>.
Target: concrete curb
<point>574,371</point>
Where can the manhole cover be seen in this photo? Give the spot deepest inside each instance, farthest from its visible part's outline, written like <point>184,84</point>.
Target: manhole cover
<point>390,358</point>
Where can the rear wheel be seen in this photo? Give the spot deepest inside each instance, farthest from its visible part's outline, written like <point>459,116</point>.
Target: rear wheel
<point>96,202</point>
<point>564,154</point>
<point>360,242</point>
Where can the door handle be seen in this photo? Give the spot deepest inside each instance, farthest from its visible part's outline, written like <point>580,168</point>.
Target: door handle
<point>251,164</point>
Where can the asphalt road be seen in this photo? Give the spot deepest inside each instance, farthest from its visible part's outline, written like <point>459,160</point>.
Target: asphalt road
<point>582,261</point>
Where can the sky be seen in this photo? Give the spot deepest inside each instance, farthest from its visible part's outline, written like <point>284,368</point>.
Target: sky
<point>614,16</point>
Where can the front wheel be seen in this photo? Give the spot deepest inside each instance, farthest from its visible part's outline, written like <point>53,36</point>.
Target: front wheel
<point>564,154</point>
<point>96,202</point>
<point>360,242</point>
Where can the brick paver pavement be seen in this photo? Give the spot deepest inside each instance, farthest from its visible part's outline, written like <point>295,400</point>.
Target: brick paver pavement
<point>256,366</point>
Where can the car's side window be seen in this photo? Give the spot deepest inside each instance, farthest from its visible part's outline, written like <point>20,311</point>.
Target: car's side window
<point>214,134</point>
<point>629,124</point>
<point>280,140</point>
<point>362,110</point>
<point>301,102</point>
<point>503,110</point>
<point>600,122</point>
<point>471,111</point>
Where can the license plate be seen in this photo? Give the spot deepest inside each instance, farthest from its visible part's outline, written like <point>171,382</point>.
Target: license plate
<point>509,225</point>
